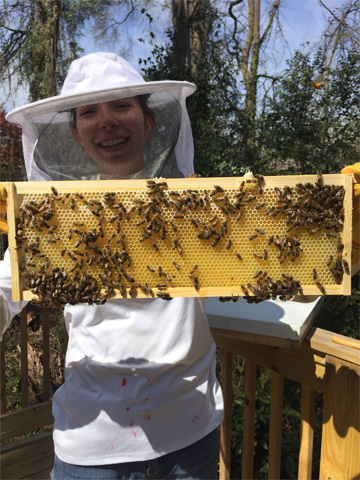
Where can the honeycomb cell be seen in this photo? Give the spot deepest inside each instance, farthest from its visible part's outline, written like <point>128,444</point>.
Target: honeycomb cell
<point>203,241</point>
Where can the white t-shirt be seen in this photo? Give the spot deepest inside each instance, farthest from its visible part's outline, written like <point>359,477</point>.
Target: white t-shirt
<point>140,380</point>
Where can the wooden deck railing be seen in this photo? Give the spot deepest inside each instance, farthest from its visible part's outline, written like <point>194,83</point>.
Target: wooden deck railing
<point>319,365</point>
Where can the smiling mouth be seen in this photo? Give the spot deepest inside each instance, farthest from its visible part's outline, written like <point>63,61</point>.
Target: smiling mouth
<point>113,143</point>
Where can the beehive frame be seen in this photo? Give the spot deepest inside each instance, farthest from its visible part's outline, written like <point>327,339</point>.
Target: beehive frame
<point>194,262</point>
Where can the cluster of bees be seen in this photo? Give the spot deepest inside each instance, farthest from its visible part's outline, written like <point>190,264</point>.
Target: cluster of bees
<point>100,255</point>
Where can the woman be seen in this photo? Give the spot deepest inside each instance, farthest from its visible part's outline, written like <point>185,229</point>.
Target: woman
<point>140,398</point>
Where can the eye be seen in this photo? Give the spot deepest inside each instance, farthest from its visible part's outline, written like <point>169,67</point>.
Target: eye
<point>121,105</point>
<point>86,112</point>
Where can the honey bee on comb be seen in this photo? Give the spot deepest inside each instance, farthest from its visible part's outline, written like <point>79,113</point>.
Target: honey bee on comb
<point>199,222</point>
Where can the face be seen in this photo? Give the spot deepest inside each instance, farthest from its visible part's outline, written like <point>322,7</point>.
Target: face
<point>113,134</point>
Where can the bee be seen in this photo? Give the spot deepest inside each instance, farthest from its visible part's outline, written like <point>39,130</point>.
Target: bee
<point>238,255</point>
<point>238,218</point>
<point>193,269</point>
<point>176,265</point>
<point>195,281</point>
<point>150,268</point>
<point>346,266</point>
<point>149,290</point>
<point>329,262</point>
<point>55,192</point>
<point>178,215</point>
<point>168,278</point>
<point>122,291</point>
<point>143,288</point>
<point>193,221</point>
<point>256,255</point>
<point>163,295</point>
<point>228,244</point>
<point>173,226</point>
<point>321,288</point>
<point>257,274</point>
<point>253,237</point>
<point>225,299</point>
<point>258,230</point>
<point>155,246</point>
<point>161,286</point>
<point>128,277</point>
<point>261,205</point>
<point>314,274</point>
<point>216,241</point>
<point>265,254</point>
<point>133,292</point>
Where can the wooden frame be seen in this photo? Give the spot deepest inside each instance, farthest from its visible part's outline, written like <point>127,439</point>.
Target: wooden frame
<point>18,191</point>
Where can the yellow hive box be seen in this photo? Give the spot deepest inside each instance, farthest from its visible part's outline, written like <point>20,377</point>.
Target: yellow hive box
<point>90,240</point>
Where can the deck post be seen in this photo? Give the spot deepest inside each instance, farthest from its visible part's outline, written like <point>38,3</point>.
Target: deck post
<point>340,444</point>
<point>225,428</point>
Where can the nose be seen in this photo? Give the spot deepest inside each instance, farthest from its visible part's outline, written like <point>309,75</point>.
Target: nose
<point>108,119</point>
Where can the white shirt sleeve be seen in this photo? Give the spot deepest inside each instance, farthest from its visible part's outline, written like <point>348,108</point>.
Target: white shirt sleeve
<point>8,308</point>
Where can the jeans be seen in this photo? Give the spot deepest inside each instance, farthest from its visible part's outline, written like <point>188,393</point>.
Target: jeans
<point>198,461</point>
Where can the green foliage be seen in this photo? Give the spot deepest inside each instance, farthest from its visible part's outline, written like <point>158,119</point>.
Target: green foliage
<point>305,129</point>
<point>341,314</point>
<point>11,153</point>
<point>215,110</point>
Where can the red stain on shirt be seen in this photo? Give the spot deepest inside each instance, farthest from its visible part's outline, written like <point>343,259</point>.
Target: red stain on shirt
<point>112,447</point>
<point>123,382</point>
<point>133,431</point>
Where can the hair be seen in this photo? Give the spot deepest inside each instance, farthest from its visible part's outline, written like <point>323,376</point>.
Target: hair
<point>142,99</point>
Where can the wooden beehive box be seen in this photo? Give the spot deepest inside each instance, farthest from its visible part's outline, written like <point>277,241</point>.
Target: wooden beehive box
<point>91,240</point>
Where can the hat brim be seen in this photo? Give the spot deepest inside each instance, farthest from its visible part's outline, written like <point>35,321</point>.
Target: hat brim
<point>62,103</point>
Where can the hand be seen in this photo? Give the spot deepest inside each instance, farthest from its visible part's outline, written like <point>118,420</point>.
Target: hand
<point>355,257</point>
<point>3,223</point>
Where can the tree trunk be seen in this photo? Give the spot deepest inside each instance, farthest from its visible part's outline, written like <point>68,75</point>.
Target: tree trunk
<point>44,50</point>
<point>181,40</point>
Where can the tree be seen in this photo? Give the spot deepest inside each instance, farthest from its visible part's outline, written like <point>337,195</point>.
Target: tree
<point>305,130</point>
<point>245,45</point>
<point>39,40</point>
<point>11,155</point>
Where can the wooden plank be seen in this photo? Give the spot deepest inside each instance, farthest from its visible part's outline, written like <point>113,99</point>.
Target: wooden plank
<point>46,353</point>
<point>307,433</point>
<point>276,406</point>
<point>32,457</point>
<point>225,428</point>
<point>25,420</point>
<point>211,280</point>
<point>302,364</point>
<point>340,445</point>
<point>12,206</point>
<point>247,469</point>
<point>24,358</point>
<point>322,341</point>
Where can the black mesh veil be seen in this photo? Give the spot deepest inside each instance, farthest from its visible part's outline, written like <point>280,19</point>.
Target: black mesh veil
<point>59,156</point>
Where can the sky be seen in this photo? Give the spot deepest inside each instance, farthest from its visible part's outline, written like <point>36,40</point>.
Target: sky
<point>302,21</point>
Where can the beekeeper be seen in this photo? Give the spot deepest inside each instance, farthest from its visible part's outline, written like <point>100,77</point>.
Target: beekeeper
<point>140,397</point>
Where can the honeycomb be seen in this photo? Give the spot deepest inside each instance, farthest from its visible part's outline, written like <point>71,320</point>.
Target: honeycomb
<point>250,239</point>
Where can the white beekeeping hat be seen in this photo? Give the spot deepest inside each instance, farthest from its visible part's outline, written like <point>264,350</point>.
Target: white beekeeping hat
<point>50,150</point>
